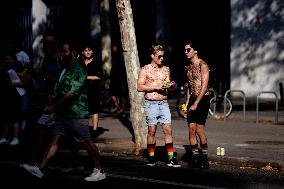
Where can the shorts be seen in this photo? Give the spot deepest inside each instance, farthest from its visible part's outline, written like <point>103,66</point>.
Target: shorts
<point>157,112</point>
<point>74,127</point>
<point>199,115</point>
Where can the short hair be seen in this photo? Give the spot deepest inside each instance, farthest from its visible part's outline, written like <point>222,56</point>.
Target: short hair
<point>156,48</point>
<point>191,44</point>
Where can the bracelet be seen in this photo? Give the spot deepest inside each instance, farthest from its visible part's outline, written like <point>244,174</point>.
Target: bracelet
<point>184,107</point>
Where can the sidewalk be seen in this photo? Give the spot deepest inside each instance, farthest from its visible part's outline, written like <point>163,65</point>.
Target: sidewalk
<point>247,144</point>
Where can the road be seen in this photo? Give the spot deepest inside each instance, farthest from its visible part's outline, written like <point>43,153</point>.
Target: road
<point>132,172</point>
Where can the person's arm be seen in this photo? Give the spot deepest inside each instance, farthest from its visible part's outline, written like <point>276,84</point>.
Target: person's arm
<point>204,83</point>
<point>187,94</point>
<point>96,73</point>
<point>93,78</point>
<point>69,96</point>
<point>77,86</point>
<point>141,83</point>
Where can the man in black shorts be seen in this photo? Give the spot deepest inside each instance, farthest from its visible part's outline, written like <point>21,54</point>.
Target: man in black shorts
<point>197,106</point>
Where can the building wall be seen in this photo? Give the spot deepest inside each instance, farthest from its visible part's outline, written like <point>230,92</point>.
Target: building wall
<point>257,53</point>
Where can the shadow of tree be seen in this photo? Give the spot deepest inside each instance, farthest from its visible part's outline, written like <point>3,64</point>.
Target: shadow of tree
<point>124,119</point>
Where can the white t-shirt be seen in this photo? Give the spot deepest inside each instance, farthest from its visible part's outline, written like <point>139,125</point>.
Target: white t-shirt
<point>15,79</point>
<point>23,57</point>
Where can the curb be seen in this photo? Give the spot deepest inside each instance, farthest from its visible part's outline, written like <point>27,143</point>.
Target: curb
<point>242,162</point>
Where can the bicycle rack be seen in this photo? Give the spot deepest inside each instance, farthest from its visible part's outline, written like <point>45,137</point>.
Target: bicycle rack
<point>215,96</point>
<point>244,102</point>
<point>276,105</point>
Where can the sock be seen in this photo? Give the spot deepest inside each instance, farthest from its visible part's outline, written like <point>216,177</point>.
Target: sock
<point>204,149</point>
<point>194,150</point>
<point>151,149</point>
<point>170,150</point>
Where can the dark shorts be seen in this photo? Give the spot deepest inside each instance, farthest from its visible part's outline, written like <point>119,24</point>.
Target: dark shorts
<point>199,115</point>
<point>74,127</point>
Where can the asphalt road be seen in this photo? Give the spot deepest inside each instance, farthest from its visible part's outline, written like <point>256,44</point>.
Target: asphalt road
<point>132,172</point>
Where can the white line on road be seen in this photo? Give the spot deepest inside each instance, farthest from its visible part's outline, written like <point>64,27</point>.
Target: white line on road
<point>161,181</point>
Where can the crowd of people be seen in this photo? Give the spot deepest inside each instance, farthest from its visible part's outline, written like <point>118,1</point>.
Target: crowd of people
<point>61,101</point>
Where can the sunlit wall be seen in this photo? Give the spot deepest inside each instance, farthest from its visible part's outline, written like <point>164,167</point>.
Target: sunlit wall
<point>257,41</point>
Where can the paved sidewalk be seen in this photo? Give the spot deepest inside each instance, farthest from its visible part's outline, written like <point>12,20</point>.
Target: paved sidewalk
<point>247,144</point>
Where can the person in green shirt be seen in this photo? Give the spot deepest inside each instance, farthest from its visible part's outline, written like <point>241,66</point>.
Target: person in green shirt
<point>70,106</point>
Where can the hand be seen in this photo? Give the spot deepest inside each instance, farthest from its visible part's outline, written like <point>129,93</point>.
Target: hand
<point>193,106</point>
<point>169,85</point>
<point>185,114</point>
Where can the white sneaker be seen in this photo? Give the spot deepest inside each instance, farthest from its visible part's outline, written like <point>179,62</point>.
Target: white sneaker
<point>96,175</point>
<point>33,170</point>
<point>15,142</point>
<point>4,141</point>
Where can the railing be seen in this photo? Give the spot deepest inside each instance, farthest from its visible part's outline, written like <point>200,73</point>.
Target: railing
<point>215,96</point>
<point>244,102</point>
<point>276,105</point>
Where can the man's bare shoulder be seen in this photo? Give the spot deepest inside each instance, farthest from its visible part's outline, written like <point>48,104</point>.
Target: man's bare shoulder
<point>166,68</point>
<point>203,63</point>
<point>146,67</point>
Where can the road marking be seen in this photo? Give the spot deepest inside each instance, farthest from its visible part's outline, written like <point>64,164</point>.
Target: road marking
<point>161,181</point>
<point>242,145</point>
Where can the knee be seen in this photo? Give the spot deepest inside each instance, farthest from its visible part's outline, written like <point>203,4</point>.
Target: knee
<point>200,130</point>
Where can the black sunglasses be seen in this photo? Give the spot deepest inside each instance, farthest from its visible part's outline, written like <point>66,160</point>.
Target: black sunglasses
<point>160,56</point>
<point>187,50</point>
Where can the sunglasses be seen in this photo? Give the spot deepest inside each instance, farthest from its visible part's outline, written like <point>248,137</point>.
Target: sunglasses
<point>187,50</point>
<point>160,56</point>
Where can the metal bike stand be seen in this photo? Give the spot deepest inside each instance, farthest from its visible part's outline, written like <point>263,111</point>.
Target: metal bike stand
<point>215,96</point>
<point>244,102</point>
<point>276,105</point>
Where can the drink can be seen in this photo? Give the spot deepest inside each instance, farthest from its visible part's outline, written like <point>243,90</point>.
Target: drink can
<point>218,151</point>
<point>222,151</point>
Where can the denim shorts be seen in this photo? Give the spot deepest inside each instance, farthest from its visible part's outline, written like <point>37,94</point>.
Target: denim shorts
<point>157,112</point>
<point>74,127</point>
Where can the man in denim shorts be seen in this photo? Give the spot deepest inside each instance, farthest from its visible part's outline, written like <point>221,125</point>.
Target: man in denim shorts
<point>154,80</point>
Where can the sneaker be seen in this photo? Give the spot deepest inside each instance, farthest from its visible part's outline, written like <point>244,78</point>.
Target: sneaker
<point>15,142</point>
<point>4,141</point>
<point>33,170</point>
<point>96,175</point>
<point>151,162</point>
<point>173,163</point>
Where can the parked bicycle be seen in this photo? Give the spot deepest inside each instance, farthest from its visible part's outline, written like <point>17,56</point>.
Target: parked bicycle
<point>216,103</point>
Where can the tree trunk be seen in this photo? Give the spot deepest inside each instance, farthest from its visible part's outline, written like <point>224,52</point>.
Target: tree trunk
<point>106,41</point>
<point>132,65</point>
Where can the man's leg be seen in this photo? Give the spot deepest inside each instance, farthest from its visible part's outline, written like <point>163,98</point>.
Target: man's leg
<point>151,144</point>
<point>53,148</point>
<point>172,161</point>
<point>203,145</point>
<point>95,120</point>
<point>37,171</point>
<point>194,162</point>
<point>93,151</point>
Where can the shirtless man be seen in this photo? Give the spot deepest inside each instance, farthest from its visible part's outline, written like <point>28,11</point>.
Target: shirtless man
<point>154,80</point>
<point>197,103</point>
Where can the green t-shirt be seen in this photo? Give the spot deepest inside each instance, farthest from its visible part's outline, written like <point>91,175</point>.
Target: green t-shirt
<point>74,79</point>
